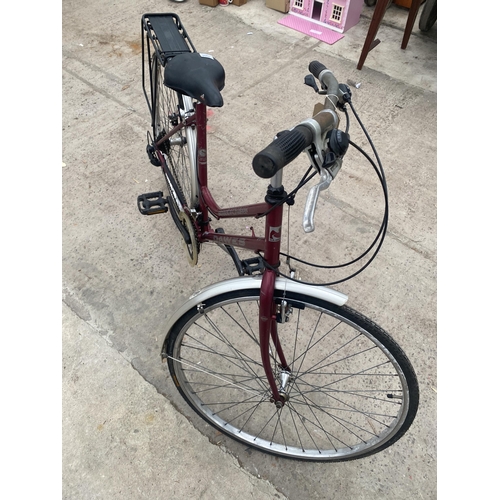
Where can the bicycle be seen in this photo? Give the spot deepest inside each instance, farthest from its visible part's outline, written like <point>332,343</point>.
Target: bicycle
<point>280,365</point>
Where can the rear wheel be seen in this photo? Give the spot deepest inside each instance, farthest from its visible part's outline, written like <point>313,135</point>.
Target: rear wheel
<point>170,109</point>
<point>350,391</point>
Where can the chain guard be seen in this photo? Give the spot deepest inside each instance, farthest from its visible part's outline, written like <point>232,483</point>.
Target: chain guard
<point>193,249</point>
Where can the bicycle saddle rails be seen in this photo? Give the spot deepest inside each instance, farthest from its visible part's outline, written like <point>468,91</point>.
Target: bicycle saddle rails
<point>199,76</point>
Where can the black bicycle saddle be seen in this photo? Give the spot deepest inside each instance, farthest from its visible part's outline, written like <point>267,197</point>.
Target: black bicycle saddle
<point>197,75</point>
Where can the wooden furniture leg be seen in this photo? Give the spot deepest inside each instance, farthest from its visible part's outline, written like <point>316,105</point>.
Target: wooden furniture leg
<point>370,41</point>
<point>412,15</point>
<point>378,15</point>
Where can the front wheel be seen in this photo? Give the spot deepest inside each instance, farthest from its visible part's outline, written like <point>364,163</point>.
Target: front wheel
<point>350,390</point>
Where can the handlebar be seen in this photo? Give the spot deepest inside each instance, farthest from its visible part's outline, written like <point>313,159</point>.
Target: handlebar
<point>311,132</point>
<point>290,143</point>
<point>328,83</point>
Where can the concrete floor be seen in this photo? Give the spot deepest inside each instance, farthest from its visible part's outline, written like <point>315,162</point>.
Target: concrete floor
<point>126,433</point>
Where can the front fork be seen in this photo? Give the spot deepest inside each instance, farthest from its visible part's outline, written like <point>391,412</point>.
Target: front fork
<point>268,329</point>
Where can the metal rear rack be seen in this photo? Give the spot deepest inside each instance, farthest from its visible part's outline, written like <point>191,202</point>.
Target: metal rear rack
<point>165,36</point>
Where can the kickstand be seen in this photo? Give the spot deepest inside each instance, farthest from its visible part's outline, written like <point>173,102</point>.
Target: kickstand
<point>232,253</point>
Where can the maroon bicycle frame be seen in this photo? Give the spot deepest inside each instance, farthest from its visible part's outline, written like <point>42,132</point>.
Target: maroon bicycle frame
<point>269,245</point>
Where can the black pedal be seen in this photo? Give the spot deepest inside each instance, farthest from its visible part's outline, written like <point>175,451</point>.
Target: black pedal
<point>150,150</point>
<point>152,203</point>
<point>252,265</point>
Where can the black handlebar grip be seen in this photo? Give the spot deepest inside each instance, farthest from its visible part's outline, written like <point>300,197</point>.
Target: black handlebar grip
<point>316,68</point>
<point>282,151</point>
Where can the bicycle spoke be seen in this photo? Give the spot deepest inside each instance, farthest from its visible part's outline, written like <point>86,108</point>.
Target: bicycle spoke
<point>273,415</point>
<point>251,415</point>
<point>251,336</point>
<point>296,430</point>
<point>212,387</point>
<point>353,393</point>
<point>302,417</point>
<point>209,350</point>
<point>318,341</point>
<point>240,355</point>
<point>342,422</point>
<point>344,359</point>
<point>233,404</point>
<point>308,346</point>
<point>213,374</point>
<point>352,408</point>
<point>344,346</point>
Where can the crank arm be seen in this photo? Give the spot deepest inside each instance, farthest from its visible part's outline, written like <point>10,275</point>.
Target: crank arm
<point>180,227</point>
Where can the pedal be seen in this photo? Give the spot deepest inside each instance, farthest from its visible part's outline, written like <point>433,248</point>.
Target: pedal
<point>150,150</point>
<point>253,265</point>
<point>152,203</point>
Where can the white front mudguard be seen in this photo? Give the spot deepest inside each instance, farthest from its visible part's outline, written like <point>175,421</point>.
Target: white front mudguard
<point>254,282</point>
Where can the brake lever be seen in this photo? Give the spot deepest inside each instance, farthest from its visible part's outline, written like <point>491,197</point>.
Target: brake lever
<point>327,174</point>
<point>312,200</point>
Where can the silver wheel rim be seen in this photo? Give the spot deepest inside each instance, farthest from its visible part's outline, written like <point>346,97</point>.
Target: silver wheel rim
<point>250,390</point>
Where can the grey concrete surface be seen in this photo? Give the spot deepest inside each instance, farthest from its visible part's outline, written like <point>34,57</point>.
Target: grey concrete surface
<point>124,440</point>
<point>126,433</point>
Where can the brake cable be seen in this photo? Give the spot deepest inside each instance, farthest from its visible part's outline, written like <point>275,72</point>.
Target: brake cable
<point>383,228</point>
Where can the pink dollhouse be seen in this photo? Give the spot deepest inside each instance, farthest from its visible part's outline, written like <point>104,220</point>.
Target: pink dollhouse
<point>337,15</point>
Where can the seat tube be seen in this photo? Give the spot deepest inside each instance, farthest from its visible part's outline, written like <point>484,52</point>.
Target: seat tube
<point>201,142</point>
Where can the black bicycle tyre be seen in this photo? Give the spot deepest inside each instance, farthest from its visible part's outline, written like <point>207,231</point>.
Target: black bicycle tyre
<point>428,16</point>
<point>190,377</point>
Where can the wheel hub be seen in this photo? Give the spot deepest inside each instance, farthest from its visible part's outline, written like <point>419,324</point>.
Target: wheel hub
<point>285,379</point>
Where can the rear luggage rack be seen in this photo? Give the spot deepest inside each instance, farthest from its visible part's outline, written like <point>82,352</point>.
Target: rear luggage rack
<point>165,35</point>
